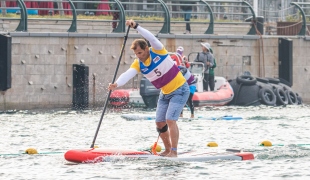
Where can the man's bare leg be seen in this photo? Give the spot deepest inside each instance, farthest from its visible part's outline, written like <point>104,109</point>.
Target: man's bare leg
<point>174,137</point>
<point>165,138</point>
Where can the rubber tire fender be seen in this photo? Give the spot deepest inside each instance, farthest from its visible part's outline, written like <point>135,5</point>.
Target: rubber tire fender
<point>267,96</point>
<point>281,96</point>
<point>292,97</point>
<point>273,80</point>
<point>299,99</point>
<point>263,80</point>
<point>246,80</point>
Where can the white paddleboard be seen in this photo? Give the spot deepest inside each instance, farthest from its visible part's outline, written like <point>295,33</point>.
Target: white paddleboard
<point>187,157</point>
<point>133,117</point>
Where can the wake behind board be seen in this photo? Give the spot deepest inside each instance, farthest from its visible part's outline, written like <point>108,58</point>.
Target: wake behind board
<point>132,117</point>
<point>105,155</point>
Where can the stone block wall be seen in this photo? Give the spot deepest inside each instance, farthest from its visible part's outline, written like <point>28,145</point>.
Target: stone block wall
<point>42,63</point>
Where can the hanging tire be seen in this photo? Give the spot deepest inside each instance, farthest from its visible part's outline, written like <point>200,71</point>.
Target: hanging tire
<point>281,96</point>
<point>267,97</point>
<point>246,80</point>
<point>299,99</point>
<point>263,80</point>
<point>273,80</point>
<point>292,98</point>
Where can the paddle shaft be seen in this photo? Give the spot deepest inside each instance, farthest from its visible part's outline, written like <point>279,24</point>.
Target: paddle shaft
<point>107,99</point>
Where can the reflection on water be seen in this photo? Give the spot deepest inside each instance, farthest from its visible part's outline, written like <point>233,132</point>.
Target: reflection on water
<point>54,132</point>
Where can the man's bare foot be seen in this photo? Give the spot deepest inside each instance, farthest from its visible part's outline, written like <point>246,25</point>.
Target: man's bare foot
<point>165,153</point>
<point>192,116</point>
<point>181,115</point>
<point>172,154</point>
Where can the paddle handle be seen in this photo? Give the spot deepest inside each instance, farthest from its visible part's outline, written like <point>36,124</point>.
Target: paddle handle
<point>107,99</point>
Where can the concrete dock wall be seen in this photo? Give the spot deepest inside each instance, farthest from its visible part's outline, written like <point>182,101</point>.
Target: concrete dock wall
<point>42,63</point>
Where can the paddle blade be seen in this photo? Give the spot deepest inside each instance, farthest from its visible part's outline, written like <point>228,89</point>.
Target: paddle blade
<point>154,148</point>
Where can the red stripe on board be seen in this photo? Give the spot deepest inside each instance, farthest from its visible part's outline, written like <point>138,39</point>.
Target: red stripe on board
<point>246,155</point>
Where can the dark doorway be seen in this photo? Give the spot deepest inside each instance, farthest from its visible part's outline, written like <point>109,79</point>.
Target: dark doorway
<point>285,61</point>
<point>5,62</point>
<point>80,87</point>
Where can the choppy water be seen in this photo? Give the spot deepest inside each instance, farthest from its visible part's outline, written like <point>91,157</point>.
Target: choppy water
<point>59,131</point>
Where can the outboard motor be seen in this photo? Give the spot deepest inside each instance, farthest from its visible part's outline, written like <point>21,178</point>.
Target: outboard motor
<point>149,93</point>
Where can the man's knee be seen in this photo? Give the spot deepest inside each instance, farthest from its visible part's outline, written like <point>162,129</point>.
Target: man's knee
<point>163,129</point>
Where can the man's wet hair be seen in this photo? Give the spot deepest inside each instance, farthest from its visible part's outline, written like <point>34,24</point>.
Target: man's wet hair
<point>139,42</point>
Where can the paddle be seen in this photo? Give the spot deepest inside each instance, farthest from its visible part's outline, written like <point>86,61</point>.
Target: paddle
<point>114,77</point>
<point>155,144</point>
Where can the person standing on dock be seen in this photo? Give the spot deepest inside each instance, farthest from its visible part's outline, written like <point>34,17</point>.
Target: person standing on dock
<point>157,66</point>
<point>187,8</point>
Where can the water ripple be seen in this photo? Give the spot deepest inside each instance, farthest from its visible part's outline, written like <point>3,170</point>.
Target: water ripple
<point>54,132</point>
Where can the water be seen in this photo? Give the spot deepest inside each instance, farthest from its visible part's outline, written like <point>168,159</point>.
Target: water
<point>58,131</point>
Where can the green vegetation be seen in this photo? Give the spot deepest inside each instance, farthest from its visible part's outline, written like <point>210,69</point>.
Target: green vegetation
<point>294,18</point>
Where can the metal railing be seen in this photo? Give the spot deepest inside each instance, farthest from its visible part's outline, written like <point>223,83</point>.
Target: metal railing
<point>203,12</point>
<point>303,29</point>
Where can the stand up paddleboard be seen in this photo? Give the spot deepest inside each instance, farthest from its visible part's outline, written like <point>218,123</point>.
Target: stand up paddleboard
<point>106,155</point>
<point>132,117</point>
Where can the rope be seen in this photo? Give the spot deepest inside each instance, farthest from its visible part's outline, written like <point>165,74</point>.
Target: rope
<point>288,15</point>
<point>282,26</point>
<point>277,17</point>
<point>277,10</point>
<point>261,45</point>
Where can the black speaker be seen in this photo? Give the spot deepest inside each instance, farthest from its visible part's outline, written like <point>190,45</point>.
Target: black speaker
<point>286,60</point>
<point>80,87</point>
<point>5,62</point>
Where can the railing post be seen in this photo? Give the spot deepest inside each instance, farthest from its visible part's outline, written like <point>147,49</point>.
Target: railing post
<point>61,8</point>
<point>73,27</point>
<point>303,29</point>
<point>121,24</point>
<point>253,29</point>
<point>23,23</point>
<point>3,4</point>
<point>166,27</point>
<point>210,29</point>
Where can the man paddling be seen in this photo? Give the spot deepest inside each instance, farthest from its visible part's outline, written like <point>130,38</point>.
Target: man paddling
<point>156,65</point>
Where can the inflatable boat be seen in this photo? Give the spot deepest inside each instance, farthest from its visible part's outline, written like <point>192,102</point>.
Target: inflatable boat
<point>222,95</point>
<point>92,155</point>
<point>123,97</point>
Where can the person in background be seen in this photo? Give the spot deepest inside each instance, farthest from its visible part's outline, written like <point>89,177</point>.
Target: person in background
<point>211,73</point>
<point>115,16</point>
<point>179,58</point>
<point>187,8</point>
<point>206,57</point>
<point>190,79</point>
<point>157,66</point>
